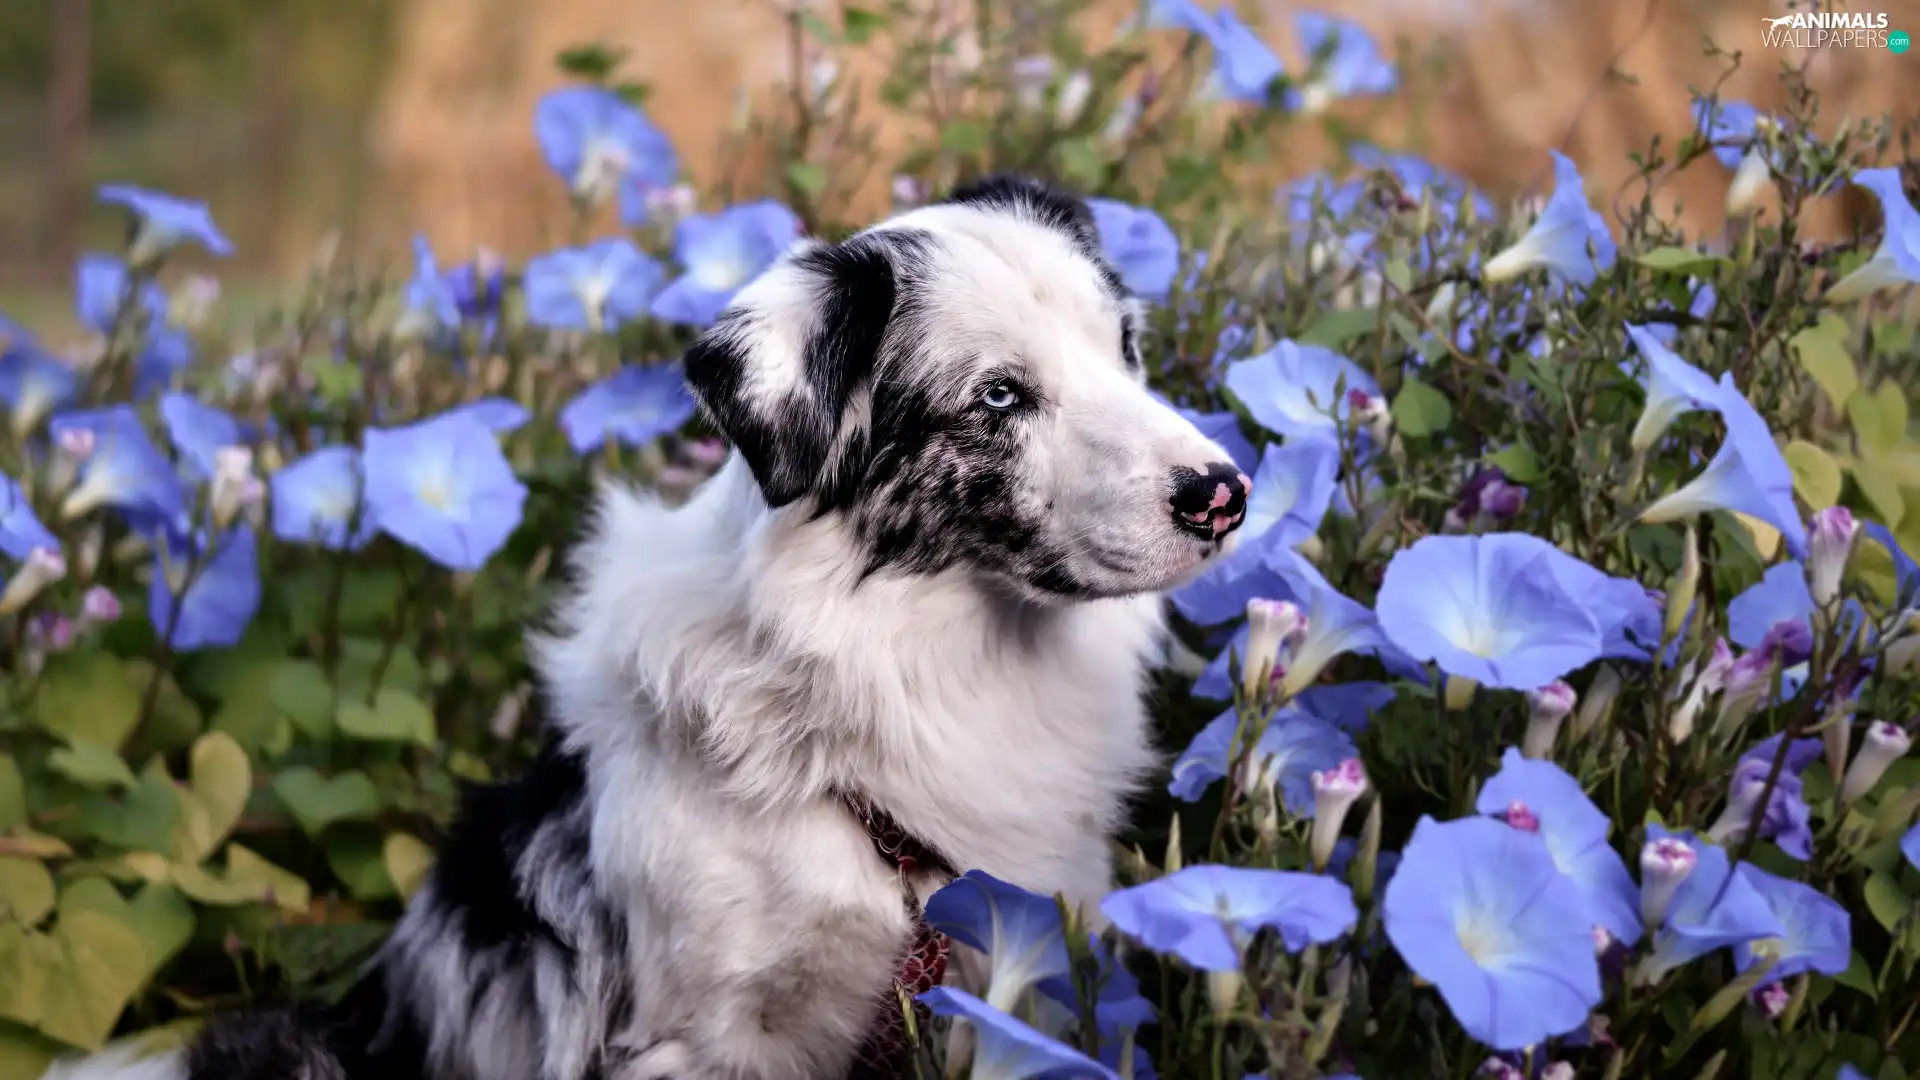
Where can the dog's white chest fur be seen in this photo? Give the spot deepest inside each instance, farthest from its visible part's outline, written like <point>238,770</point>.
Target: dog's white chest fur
<point>726,678</point>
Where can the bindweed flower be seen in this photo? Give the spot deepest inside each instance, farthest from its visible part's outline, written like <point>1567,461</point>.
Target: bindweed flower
<point>122,468</point>
<point>1346,62</point>
<point>1335,791</point>
<point>1139,244</point>
<point>1815,935</point>
<point>33,383</point>
<point>1712,908</point>
<point>1298,391</point>
<point>1283,759</point>
<point>442,487</point>
<point>1674,388</point>
<point>719,254</point>
<point>1883,745</point>
<point>1271,627</point>
<point>1569,239</point>
<point>1487,608</point>
<point>1910,847</point>
<point>1748,680</point>
<point>599,144</point>
<point>41,567</point>
<point>1018,931</point>
<point>200,432</point>
<point>1371,414</point>
<point>205,590</point>
<point>1786,820</point>
<point>1711,680</point>
<point>316,500</point>
<point>1244,68</point>
<point>1207,915</point>
<point>430,304</point>
<point>1119,1004</point>
<point>499,415</point>
<point>1336,624</point>
<point>162,222</point>
<point>1480,910</point>
<point>1547,709</point>
<point>1575,832</point>
<point>1007,1049</point>
<point>21,532</point>
<point>1665,863</point>
<point>1292,489</point>
<point>1773,613</point>
<point>596,287</point>
<point>1897,260</point>
<point>1747,475</point>
<point>1829,546</point>
<point>1739,134</point>
<point>634,405</point>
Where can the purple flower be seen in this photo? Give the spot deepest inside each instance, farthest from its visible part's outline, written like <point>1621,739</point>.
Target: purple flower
<point>635,405</point>
<point>1569,240</point>
<point>1291,492</point>
<point>164,221</point>
<point>1816,932</point>
<point>1139,244</point>
<point>1006,1048</point>
<point>1294,746</point>
<point>598,143</point>
<point>1298,391</point>
<point>1786,820</point>
<point>1018,931</point>
<point>1714,908</point>
<point>596,287</point>
<point>1206,915</point>
<point>1747,475</point>
<point>719,254</point>
<point>1576,835</point>
<point>442,487</point>
<point>317,498</point>
<point>1346,62</point>
<point>21,533</point>
<point>215,582</point>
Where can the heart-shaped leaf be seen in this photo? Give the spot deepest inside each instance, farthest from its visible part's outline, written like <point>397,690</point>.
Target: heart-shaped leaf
<point>394,716</point>
<point>144,818</point>
<point>92,766</point>
<point>73,981</point>
<point>302,694</point>
<point>248,879</point>
<point>317,802</point>
<point>13,794</point>
<point>408,861</point>
<point>1822,351</point>
<point>89,696</point>
<point>1816,476</point>
<point>355,856</point>
<point>26,890</point>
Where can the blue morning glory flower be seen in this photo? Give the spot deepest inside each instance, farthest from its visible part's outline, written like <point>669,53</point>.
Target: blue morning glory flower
<point>1348,706</point>
<point>1178,14</point>
<point>1897,260</point>
<point>199,431</point>
<point>719,254</point>
<point>1730,125</point>
<point>1714,908</point>
<point>1674,388</point>
<point>1576,834</point>
<point>596,287</point>
<point>315,498</point>
<point>1910,847</point>
<point>1780,596</point>
<point>1019,931</point>
<point>1119,1004</point>
<point>1139,244</point>
<point>442,487</point>
<point>1206,915</point>
<point>598,143</point>
<point>478,286</point>
<point>1787,820</point>
<point>1478,909</point>
<point>1818,935</point>
<point>430,296</point>
<point>221,578</point>
<point>165,221</point>
<point>1336,624</point>
<point>1560,239</point>
<point>499,415</point>
<point>1486,608</point>
<point>635,405</point>
<point>100,284</point>
<point>20,531</point>
<point>1747,474</point>
<point>34,382</point>
<point>1420,177</point>
<point>1295,745</point>
<point>1906,572</point>
<point>1291,492</point>
<point>1298,391</point>
<point>123,469</point>
<point>1628,615</point>
<point>1244,68</point>
<point>1346,62</point>
<point>1007,1049</point>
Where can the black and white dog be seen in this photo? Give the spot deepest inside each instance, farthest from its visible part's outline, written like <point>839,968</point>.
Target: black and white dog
<point>904,630</point>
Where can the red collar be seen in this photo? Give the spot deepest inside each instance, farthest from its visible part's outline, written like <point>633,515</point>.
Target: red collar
<point>887,1053</point>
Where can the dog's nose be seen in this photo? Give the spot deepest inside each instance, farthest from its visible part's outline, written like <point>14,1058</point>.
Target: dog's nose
<point>1212,503</point>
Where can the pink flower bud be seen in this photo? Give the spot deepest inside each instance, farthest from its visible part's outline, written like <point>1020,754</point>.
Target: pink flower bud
<point>100,605</point>
<point>1829,546</point>
<point>1664,864</point>
<point>1547,707</point>
<point>1772,1000</point>
<point>1884,744</point>
<point>1335,791</point>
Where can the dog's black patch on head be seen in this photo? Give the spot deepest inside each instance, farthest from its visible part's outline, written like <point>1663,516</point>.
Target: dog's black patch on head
<point>789,440</point>
<point>1056,208</point>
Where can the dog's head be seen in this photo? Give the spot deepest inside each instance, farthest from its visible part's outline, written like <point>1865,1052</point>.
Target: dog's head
<point>963,384</point>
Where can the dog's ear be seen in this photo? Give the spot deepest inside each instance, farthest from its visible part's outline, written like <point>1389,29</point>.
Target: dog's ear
<point>783,367</point>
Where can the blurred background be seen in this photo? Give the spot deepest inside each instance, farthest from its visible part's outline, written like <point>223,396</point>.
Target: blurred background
<point>379,118</point>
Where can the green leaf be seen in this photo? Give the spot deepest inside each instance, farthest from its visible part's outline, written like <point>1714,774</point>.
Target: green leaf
<point>1858,976</point>
<point>337,381</point>
<point>1399,275</point>
<point>72,982</point>
<point>1333,329</point>
<point>302,694</point>
<point>1890,906</point>
<point>91,766</point>
<point>88,696</point>
<point>1882,492</point>
<point>174,721</point>
<point>142,819</point>
<point>219,781</point>
<point>807,178</point>
<point>26,890</point>
<point>13,794</point>
<point>1519,462</point>
<point>1879,419</point>
<point>165,922</point>
<point>317,802</point>
<point>963,137</point>
<point>248,879</point>
<point>1816,476</point>
<point>1420,410</point>
<point>394,716</point>
<point>593,62</point>
<point>1822,352</point>
<point>1681,261</point>
<point>407,860</point>
<point>859,24</point>
<point>355,858</point>
<point>25,1053</point>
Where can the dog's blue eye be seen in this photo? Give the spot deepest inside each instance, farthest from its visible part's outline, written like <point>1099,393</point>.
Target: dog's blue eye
<point>1000,396</point>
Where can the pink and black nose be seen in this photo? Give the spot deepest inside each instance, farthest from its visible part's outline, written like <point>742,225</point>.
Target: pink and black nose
<point>1210,504</point>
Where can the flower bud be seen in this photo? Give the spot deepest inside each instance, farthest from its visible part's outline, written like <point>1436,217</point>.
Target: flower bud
<point>706,453</point>
<point>1750,181</point>
<point>1223,991</point>
<point>1748,681</point>
<point>70,450</point>
<point>907,193</point>
<point>42,567</point>
<point>1558,1070</point>
<point>1371,411</point>
<point>234,487</point>
<point>1459,692</point>
<point>191,304</point>
<point>99,606</point>
<point>1335,791</point>
<point>1712,679</point>
<point>1771,1000</point>
<point>1903,647</point>
<point>1271,626</point>
<point>1883,745</point>
<point>1829,546</point>
<point>668,206</point>
<point>1547,707</point>
<point>1664,865</point>
<point>1598,704</point>
<point>1685,587</point>
<point>1074,92</point>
